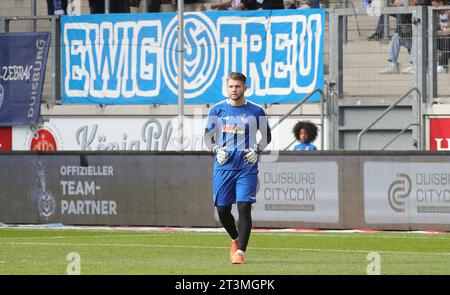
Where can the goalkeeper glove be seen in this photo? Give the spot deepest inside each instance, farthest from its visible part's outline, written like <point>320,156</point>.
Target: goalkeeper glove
<point>251,155</point>
<point>221,154</point>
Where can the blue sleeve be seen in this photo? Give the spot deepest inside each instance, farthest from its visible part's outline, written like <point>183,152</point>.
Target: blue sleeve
<point>211,121</point>
<point>266,133</point>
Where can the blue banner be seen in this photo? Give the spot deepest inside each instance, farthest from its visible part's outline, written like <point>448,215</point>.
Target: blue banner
<point>22,69</point>
<point>133,58</point>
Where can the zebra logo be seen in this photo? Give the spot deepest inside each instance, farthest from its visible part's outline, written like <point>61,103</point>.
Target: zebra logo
<point>398,193</point>
<point>201,57</point>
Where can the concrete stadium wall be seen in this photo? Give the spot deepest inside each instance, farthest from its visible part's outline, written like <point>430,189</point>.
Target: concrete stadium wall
<point>334,190</point>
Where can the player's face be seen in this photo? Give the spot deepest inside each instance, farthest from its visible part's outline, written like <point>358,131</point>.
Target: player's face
<point>236,89</point>
<point>303,135</point>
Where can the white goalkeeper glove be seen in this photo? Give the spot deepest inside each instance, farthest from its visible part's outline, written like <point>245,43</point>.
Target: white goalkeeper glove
<point>221,154</point>
<point>251,155</point>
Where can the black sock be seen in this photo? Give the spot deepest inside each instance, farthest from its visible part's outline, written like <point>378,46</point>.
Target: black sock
<point>244,224</point>
<point>227,220</point>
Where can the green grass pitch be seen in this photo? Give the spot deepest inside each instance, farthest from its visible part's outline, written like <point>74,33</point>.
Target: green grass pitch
<point>31,251</point>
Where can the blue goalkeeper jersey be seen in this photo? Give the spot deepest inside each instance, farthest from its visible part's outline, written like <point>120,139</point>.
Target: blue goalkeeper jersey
<point>235,127</point>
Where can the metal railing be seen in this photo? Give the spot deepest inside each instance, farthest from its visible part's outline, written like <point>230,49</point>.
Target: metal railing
<point>387,111</point>
<point>398,134</point>
<point>298,105</point>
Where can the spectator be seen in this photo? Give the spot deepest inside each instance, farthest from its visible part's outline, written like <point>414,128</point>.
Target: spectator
<point>305,132</point>
<point>443,37</point>
<point>234,5</point>
<point>315,3</point>
<point>250,4</point>
<point>190,5</point>
<point>401,37</point>
<point>379,31</point>
<point>230,5</point>
<point>306,4</point>
<point>152,5</point>
<point>270,4</point>
<point>116,6</point>
<point>57,7</point>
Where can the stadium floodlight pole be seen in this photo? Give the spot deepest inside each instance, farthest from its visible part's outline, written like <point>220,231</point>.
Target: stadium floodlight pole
<point>180,72</point>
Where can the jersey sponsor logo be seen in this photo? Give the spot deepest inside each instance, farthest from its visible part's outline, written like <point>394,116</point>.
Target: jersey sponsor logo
<point>233,129</point>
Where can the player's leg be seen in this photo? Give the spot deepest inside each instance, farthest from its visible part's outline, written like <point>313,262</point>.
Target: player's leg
<point>244,224</point>
<point>245,195</point>
<point>227,221</point>
<point>224,196</point>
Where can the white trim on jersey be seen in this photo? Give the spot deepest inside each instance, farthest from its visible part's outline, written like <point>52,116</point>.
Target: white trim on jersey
<point>255,104</point>
<point>219,103</point>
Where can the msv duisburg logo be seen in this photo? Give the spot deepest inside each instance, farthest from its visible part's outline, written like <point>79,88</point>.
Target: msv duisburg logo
<point>399,191</point>
<point>201,57</point>
<point>43,199</point>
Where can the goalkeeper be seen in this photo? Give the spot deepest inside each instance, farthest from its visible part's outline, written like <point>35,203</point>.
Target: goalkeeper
<point>230,134</point>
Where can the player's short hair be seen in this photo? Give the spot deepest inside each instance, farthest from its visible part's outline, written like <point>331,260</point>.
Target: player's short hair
<point>310,128</point>
<point>237,76</point>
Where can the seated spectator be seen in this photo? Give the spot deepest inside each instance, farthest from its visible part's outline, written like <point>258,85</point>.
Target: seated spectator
<point>443,37</point>
<point>379,31</point>
<point>305,132</point>
<point>401,37</point>
<point>116,6</point>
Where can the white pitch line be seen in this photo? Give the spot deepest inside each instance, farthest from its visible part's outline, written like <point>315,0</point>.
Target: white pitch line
<point>297,234</point>
<point>203,230</point>
<point>209,247</point>
<point>72,236</point>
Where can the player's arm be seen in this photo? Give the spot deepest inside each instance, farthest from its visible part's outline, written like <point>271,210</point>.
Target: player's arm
<point>266,132</point>
<point>208,137</point>
<point>251,154</point>
<point>210,130</point>
<point>210,142</point>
